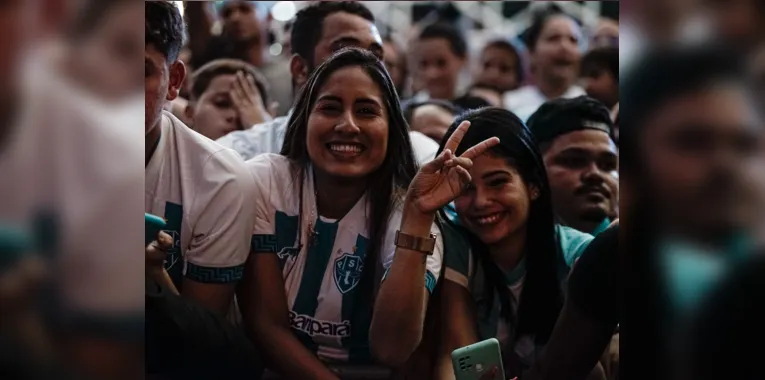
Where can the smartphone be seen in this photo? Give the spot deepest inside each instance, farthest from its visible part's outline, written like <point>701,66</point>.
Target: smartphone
<point>473,361</point>
<point>154,224</point>
<point>14,243</point>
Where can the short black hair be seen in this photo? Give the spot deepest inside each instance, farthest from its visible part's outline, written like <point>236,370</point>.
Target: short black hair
<point>445,105</point>
<point>662,75</point>
<point>308,27</point>
<point>164,28</point>
<point>201,78</point>
<point>448,32</point>
<point>600,59</point>
<point>538,22</point>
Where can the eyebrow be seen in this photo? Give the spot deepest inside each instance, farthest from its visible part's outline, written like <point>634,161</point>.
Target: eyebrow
<point>495,172</point>
<point>375,46</point>
<point>333,98</point>
<point>587,152</point>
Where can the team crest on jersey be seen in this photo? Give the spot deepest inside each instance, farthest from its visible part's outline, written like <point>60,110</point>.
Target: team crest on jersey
<point>348,269</point>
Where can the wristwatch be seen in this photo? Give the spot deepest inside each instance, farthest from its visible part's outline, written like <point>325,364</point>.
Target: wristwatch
<point>414,243</point>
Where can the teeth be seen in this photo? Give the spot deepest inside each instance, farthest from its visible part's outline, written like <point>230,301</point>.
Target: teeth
<point>345,148</point>
<point>489,219</point>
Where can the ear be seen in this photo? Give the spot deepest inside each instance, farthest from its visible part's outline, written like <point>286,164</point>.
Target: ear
<point>299,70</point>
<point>177,75</point>
<point>533,192</point>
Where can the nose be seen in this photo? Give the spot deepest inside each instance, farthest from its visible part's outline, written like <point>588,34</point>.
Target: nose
<point>481,199</point>
<point>431,73</point>
<point>592,174</point>
<point>347,125</point>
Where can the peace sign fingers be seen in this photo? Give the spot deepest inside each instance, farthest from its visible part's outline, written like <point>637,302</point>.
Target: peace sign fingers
<point>456,138</point>
<point>480,148</point>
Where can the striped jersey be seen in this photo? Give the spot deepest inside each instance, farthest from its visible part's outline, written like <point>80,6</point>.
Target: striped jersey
<point>462,268</point>
<point>203,191</point>
<point>322,270</point>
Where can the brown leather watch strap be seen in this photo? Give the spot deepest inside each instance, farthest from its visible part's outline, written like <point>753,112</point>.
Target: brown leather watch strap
<point>420,244</point>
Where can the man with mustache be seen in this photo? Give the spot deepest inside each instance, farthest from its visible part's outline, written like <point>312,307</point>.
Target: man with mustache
<point>576,140</point>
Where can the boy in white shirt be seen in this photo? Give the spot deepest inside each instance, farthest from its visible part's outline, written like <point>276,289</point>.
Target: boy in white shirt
<point>199,187</point>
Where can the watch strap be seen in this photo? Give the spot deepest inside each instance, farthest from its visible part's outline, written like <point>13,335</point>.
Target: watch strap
<point>415,243</point>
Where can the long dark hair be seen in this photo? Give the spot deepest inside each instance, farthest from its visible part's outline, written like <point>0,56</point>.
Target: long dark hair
<point>398,169</point>
<point>542,296</point>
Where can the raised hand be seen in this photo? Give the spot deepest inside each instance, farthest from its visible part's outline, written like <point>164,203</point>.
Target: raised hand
<point>442,180</point>
<point>248,102</point>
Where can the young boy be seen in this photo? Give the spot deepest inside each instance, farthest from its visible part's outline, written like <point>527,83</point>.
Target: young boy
<point>600,75</point>
<point>227,95</point>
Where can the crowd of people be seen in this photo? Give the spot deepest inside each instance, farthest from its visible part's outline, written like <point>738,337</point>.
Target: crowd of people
<point>391,215</point>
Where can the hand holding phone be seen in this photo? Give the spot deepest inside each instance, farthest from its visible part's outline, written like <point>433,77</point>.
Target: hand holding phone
<point>479,361</point>
<point>154,224</point>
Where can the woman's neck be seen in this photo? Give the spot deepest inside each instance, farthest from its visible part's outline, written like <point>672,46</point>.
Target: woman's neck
<point>335,197</point>
<point>508,252</point>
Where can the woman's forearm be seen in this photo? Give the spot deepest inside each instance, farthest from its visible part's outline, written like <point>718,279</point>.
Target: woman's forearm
<point>286,355</point>
<point>401,303</point>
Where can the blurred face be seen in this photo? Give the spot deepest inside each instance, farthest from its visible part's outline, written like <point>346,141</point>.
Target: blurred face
<point>703,152</point>
<point>439,67</point>
<point>498,69</point>
<point>162,82</point>
<point>582,168</point>
<point>339,30</point>
<point>213,113</point>
<point>108,57</point>
<point>240,20</point>
<point>556,55</point>
<point>432,121</point>
<point>607,34</point>
<point>347,133</point>
<point>496,205</point>
<point>394,65</point>
<point>601,85</point>
<point>739,21</point>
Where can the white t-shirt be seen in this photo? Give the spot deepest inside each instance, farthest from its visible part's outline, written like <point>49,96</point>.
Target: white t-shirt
<point>204,192</point>
<point>524,101</point>
<point>268,137</point>
<point>71,163</point>
<point>321,270</point>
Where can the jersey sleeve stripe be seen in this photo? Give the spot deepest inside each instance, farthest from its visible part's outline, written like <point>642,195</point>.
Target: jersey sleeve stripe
<point>456,277</point>
<point>264,244</point>
<point>214,275</point>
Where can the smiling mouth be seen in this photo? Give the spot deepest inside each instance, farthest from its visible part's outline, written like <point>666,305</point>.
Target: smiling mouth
<point>488,220</point>
<point>346,150</point>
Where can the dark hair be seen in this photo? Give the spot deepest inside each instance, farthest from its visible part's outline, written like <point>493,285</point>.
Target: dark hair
<point>390,179</point>
<point>538,23</point>
<point>308,27</point>
<point>513,50</point>
<point>410,107</point>
<point>542,296</point>
<point>201,78</point>
<point>600,59</point>
<point>448,32</point>
<point>90,16</point>
<point>471,102</point>
<point>164,28</point>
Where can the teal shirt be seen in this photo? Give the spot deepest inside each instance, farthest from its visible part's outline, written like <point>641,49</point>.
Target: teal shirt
<point>601,227</point>
<point>462,268</point>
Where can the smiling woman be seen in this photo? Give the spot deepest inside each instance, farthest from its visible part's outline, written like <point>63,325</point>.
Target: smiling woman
<point>325,224</point>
